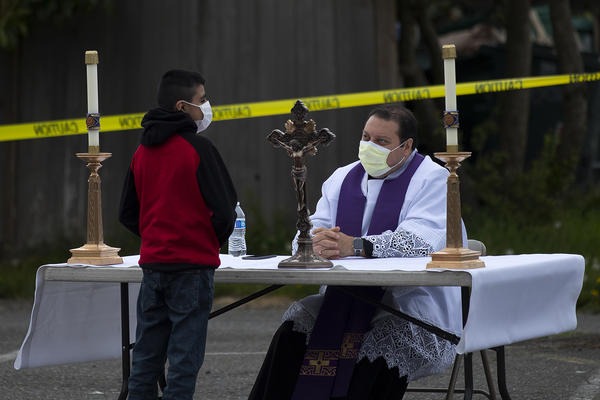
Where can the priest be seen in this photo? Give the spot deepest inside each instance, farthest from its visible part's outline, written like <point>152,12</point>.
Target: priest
<point>389,203</point>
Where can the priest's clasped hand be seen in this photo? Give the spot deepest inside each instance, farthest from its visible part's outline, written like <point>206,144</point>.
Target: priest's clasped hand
<point>332,243</point>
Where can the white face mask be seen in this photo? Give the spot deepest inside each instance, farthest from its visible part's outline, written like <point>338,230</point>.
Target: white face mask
<point>374,158</point>
<point>203,123</point>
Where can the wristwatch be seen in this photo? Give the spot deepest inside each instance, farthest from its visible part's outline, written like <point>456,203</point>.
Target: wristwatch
<point>357,243</point>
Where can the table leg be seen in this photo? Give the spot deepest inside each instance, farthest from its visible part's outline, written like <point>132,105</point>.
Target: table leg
<point>488,374</point>
<point>501,365</point>
<point>468,359</point>
<point>243,301</point>
<point>125,340</point>
<point>500,359</point>
<point>465,293</point>
<point>453,376</point>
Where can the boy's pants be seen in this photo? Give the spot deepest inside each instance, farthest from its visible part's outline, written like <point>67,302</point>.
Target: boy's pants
<point>172,319</point>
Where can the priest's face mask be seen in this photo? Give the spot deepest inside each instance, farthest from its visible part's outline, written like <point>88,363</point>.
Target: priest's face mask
<point>380,151</point>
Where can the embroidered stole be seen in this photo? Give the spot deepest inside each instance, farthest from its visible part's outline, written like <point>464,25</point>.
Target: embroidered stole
<point>343,319</point>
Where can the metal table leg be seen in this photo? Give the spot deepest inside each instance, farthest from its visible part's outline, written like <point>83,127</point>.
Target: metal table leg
<point>488,374</point>
<point>453,376</point>
<point>125,340</point>
<point>243,301</point>
<point>501,365</point>
<point>126,344</point>
<point>465,293</point>
<point>468,359</point>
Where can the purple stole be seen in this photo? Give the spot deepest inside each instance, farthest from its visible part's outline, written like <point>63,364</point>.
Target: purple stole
<point>343,319</point>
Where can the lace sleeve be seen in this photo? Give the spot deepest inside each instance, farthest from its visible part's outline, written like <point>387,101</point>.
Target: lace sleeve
<point>400,243</point>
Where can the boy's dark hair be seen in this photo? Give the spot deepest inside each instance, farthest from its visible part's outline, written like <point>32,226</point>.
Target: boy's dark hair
<point>176,85</point>
<point>403,116</point>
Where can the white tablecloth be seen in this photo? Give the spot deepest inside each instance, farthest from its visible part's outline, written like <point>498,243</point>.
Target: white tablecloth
<point>514,298</point>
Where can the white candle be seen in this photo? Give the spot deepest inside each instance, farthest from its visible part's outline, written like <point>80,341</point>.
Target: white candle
<point>91,61</point>
<point>449,54</point>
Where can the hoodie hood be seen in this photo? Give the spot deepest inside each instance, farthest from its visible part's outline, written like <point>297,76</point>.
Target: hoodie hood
<point>160,124</point>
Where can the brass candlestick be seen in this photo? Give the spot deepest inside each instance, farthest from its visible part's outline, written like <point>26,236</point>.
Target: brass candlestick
<point>454,256</point>
<point>95,251</point>
<point>301,138</point>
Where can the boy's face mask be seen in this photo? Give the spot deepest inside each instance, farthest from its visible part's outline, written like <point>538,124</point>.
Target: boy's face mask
<point>203,123</point>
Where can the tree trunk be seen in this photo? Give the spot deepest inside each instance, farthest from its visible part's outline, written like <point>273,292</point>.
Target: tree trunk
<point>387,47</point>
<point>429,117</point>
<point>430,40</point>
<point>514,105</point>
<point>8,216</point>
<point>574,105</point>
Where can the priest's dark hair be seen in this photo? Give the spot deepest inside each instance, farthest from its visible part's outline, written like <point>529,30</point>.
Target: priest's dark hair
<point>407,123</point>
<point>177,84</point>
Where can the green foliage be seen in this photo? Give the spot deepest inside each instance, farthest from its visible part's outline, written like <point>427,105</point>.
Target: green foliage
<point>17,276</point>
<point>16,16</point>
<point>531,196</point>
<point>567,224</point>
<point>574,231</point>
<point>264,237</point>
<point>13,24</point>
<point>17,281</point>
<point>17,273</point>
<point>540,210</point>
<point>288,292</point>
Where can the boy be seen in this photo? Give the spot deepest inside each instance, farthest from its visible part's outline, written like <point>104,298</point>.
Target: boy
<point>179,198</point>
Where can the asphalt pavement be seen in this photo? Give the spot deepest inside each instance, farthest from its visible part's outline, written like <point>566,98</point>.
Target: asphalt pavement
<point>565,366</point>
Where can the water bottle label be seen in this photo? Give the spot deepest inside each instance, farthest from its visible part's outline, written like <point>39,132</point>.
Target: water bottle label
<point>240,223</point>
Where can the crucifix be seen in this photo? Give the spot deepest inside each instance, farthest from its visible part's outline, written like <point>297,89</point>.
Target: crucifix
<point>300,139</point>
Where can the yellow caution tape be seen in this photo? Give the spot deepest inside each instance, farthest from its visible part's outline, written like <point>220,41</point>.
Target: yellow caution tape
<point>124,122</point>
<point>65,127</point>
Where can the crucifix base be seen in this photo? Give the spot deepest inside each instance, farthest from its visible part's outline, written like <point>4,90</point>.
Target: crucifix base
<point>305,257</point>
<point>455,258</point>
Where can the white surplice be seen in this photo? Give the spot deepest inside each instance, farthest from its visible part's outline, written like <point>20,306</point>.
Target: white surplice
<point>421,230</point>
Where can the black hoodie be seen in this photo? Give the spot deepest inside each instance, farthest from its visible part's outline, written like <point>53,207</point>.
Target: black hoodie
<point>178,195</point>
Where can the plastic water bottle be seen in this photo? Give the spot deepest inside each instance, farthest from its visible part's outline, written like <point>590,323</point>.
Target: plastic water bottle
<point>237,241</point>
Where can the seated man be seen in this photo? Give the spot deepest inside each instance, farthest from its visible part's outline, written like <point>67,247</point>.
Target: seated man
<point>390,203</point>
